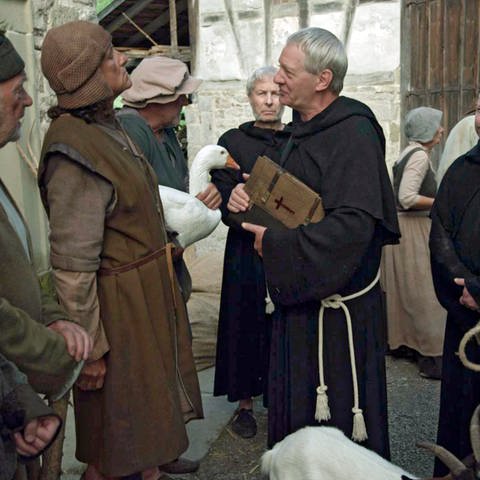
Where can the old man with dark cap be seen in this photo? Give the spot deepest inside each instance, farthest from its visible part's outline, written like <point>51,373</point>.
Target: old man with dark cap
<point>113,266</point>
<point>35,336</point>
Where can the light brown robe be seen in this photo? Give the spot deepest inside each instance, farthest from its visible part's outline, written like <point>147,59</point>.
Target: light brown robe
<point>136,420</point>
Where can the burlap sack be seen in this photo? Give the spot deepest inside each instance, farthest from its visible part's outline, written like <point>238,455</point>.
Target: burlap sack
<point>204,304</point>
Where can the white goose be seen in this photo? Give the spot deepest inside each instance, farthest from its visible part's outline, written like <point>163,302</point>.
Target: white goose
<point>185,214</point>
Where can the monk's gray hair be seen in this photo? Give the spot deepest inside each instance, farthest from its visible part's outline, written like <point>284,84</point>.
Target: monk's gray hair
<point>259,74</point>
<point>323,50</point>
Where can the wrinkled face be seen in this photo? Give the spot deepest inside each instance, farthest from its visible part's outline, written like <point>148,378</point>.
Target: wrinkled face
<point>13,101</point>
<point>168,114</point>
<point>437,137</point>
<point>114,72</point>
<point>297,86</point>
<point>477,117</point>
<point>265,101</point>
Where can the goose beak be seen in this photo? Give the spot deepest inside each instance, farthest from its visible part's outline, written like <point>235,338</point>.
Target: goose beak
<point>231,163</point>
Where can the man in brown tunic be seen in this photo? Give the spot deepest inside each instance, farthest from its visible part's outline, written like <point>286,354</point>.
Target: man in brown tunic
<point>113,266</point>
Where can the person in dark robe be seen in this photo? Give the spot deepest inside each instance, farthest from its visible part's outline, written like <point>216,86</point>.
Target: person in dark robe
<point>242,341</point>
<point>455,258</point>
<point>326,274</point>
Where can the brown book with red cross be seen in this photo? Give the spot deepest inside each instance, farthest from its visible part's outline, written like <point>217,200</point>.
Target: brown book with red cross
<point>278,196</point>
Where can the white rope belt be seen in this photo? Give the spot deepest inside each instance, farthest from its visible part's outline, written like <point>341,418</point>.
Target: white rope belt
<point>473,332</point>
<point>322,412</point>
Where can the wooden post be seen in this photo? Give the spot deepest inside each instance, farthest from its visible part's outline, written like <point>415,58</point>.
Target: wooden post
<point>173,26</point>
<point>52,458</point>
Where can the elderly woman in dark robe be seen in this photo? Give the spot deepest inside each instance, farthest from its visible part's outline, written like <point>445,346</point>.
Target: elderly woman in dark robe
<point>113,266</point>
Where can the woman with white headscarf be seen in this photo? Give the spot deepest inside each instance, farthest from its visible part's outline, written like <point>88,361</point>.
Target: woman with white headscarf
<point>416,321</point>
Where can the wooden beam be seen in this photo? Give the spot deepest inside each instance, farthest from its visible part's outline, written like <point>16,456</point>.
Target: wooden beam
<point>268,25</point>
<point>349,14</point>
<point>159,22</point>
<point>193,29</point>
<point>173,24</point>
<point>135,9</point>
<point>303,13</point>
<point>182,53</point>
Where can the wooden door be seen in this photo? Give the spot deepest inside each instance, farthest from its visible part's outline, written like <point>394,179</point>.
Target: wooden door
<point>440,56</point>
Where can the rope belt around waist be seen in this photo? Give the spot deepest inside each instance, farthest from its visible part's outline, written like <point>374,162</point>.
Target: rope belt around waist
<point>322,412</point>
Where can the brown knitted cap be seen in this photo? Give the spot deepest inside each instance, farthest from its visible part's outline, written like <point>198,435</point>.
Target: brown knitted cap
<point>71,57</point>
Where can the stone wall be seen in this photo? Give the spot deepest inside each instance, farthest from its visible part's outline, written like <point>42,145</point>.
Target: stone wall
<point>230,44</point>
<point>227,51</point>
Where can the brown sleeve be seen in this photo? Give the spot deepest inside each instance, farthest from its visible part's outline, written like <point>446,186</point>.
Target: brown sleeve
<point>78,202</point>
<point>77,292</point>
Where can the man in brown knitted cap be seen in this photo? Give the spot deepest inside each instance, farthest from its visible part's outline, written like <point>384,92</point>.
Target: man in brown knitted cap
<point>48,355</point>
<point>113,266</point>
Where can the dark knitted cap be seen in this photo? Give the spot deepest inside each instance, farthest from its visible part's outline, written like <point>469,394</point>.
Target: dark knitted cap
<point>71,56</point>
<point>11,62</point>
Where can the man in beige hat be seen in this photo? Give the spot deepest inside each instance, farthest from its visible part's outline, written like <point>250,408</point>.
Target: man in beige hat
<point>35,336</point>
<point>159,91</point>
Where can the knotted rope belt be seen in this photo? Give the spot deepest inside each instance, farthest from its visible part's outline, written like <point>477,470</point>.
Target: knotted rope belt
<point>322,411</point>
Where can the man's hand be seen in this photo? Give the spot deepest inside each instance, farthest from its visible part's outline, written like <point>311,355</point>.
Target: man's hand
<point>259,231</point>
<point>238,201</point>
<point>210,197</point>
<point>79,343</point>
<point>36,436</point>
<point>466,299</point>
<point>92,375</point>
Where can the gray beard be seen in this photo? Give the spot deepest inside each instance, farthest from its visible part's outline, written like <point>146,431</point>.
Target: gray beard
<point>12,137</point>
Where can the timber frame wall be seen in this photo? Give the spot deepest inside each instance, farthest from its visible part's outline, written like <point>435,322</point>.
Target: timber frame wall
<point>440,56</point>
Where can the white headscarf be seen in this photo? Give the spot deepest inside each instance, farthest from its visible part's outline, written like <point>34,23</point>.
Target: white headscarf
<point>422,123</point>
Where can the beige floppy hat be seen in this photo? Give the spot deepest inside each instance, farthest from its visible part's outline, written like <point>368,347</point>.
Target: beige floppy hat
<point>159,80</point>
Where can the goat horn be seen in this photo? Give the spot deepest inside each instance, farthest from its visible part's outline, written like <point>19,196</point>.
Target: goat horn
<point>475,433</point>
<point>455,466</point>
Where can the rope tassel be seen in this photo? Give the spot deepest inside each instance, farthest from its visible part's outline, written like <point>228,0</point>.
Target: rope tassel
<point>322,411</point>
<point>359,433</point>
<point>269,305</point>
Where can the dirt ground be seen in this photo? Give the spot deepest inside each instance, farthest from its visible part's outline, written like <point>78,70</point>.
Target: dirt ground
<point>232,457</point>
<point>413,415</point>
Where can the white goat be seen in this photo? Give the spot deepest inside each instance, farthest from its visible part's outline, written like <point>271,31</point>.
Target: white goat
<point>325,453</point>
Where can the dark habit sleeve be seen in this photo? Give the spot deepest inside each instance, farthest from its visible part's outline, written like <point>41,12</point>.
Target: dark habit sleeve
<point>315,261</point>
<point>355,174</point>
<point>226,180</point>
<point>318,260</point>
<point>445,263</point>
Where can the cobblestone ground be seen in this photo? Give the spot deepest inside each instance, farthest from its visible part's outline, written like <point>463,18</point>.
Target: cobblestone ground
<point>413,413</point>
